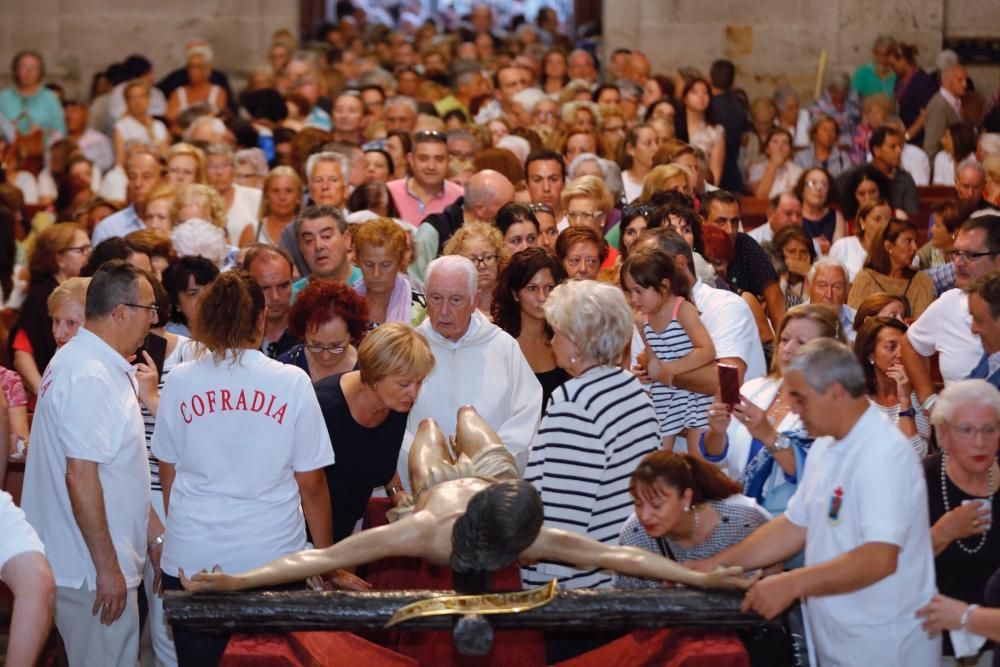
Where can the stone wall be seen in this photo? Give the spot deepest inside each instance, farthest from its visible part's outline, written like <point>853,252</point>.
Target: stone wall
<point>771,42</point>
<point>80,37</point>
<point>779,41</point>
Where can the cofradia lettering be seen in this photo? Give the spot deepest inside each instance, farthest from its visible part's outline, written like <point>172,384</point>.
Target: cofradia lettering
<point>212,401</point>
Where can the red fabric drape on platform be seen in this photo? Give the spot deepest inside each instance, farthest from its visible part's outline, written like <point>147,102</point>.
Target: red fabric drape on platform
<point>666,648</point>
<point>310,649</point>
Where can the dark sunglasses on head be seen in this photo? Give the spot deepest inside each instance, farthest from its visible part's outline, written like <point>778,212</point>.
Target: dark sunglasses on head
<point>631,211</point>
<point>430,135</point>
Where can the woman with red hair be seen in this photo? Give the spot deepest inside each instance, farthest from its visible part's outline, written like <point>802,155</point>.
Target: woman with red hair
<point>330,318</point>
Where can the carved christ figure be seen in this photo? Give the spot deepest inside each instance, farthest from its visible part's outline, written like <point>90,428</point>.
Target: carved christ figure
<point>473,513</point>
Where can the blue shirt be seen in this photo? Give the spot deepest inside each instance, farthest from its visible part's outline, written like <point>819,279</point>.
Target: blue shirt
<point>319,118</point>
<point>42,109</point>
<point>352,280</point>
<point>943,277</point>
<point>988,369</point>
<point>121,223</point>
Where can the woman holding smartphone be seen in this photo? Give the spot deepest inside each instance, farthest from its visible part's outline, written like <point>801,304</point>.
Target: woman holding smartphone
<point>758,441</point>
<point>962,481</point>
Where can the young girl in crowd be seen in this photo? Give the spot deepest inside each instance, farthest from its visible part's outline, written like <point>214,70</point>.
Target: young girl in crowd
<point>676,342</point>
<point>137,126</point>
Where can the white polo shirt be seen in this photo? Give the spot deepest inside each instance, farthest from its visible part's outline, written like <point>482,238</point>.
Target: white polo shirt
<point>237,432</point>
<point>18,535</point>
<point>868,487</point>
<point>731,326</point>
<point>945,327</point>
<point>88,408</point>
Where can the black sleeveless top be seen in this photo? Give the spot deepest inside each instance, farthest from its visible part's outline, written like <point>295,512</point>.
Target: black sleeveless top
<point>364,457</point>
<point>825,226</point>
<point>549,381</point>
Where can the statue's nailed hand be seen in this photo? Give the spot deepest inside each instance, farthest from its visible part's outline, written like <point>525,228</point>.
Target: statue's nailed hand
<point>347,581</point>
<point>204,581</point>
<point>730,577</point>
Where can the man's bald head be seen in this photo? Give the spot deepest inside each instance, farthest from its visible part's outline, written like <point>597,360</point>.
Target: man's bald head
<point>486,192</point>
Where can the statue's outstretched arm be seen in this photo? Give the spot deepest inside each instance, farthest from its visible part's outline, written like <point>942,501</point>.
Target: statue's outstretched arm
<point>585,554</point>
<point>407,537</point>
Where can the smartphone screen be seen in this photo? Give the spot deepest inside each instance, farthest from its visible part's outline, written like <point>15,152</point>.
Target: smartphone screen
<point>729,384</point>
<point>156,347</point>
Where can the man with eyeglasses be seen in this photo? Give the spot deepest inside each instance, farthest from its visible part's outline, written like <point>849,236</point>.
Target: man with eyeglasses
<point>751,269</point>
<point>462,145</point>
<point>984,307</point>
<point>484,194</point>
<point>476,363</point>
<point>87,489</point>
<point>426,191</point>
<point>945,327</point>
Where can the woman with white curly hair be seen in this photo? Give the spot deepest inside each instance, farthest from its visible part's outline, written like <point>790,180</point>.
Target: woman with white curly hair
<point>583,478</point>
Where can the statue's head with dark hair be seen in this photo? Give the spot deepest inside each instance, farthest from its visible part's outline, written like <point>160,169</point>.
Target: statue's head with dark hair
<point>499,523</point>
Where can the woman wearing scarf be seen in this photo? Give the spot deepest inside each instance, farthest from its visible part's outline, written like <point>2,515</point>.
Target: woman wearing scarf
<point>380,251</point>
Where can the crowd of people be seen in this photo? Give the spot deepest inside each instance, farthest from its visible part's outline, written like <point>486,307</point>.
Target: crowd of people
<point>240,310</point>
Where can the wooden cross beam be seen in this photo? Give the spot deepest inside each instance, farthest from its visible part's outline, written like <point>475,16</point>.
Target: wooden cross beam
<point>582,610</point>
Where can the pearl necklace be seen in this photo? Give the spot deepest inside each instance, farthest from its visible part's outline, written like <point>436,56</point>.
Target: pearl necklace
<point>947,505</point>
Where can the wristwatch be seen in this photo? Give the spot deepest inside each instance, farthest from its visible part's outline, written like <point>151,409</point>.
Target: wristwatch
<point>909,412</point>
<point>781,442</point>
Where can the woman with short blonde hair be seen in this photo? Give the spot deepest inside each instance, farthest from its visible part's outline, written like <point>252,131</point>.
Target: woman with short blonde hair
<point>67,305</point>
<point>588,187</point>
<point>185,164</point>
<point>199,201</point>
<point>367,409</point>
<point>483,244</point>
<point>667,177</point>
<point>159,215</point>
